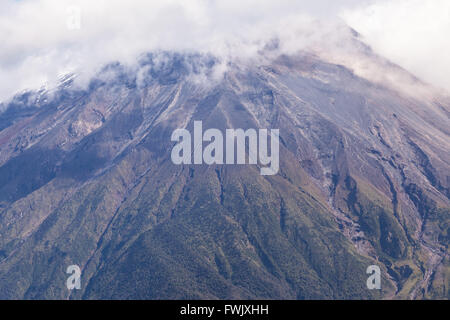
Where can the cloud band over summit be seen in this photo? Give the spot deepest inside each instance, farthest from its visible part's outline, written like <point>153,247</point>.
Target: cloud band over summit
<point>38,48</point>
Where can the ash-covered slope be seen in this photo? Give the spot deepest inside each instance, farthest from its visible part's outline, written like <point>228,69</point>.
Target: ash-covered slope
<point>86,178</point>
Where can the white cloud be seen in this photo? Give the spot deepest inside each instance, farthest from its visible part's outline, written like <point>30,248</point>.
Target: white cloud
<point>414,34</point>
<point>38,47</point>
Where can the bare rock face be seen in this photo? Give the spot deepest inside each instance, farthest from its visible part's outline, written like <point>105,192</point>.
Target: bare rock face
<point>86,179</point>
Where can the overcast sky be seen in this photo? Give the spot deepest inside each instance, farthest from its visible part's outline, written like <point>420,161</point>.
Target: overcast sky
<point>44,39</point>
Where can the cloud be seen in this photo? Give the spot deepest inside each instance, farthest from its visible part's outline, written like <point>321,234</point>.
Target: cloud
<point>41,40</point>
<point>411,33</point>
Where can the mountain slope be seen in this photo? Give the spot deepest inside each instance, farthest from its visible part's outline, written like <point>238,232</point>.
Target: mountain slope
<point>86,178</point>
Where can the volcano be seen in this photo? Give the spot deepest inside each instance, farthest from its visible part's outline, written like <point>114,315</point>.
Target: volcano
<point>86,179</point>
